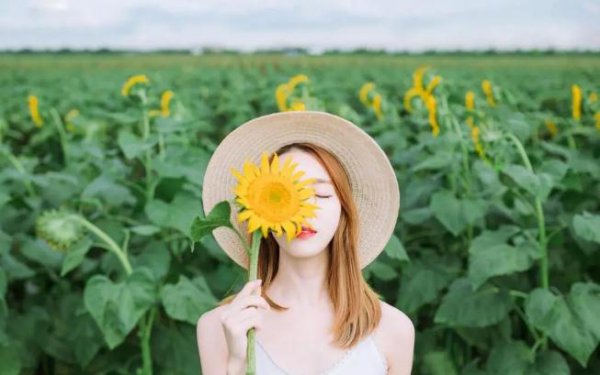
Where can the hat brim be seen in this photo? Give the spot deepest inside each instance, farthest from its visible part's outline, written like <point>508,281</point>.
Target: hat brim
<point>372,178</point>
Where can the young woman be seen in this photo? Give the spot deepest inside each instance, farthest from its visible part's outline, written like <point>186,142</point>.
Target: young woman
<point>313,311</point>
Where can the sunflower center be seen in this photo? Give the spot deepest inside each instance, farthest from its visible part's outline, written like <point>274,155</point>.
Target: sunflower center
<point>277,193</point>
<point>275,200</point>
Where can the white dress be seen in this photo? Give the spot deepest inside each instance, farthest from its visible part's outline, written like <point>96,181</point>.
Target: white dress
<point>364,358</point>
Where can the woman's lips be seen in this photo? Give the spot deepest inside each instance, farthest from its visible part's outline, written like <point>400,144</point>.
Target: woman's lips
<point>306,234</point>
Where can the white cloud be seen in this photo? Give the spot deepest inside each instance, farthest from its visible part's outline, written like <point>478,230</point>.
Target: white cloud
<point>314,24</point>
<point>52,5</point>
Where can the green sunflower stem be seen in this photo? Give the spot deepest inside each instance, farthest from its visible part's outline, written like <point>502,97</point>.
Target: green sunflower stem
<point>144,333</point>
<point>112,245</point>
<point>543,241</point>
<point>161,147</point>
<point>252,275</point>
<point>148,153</point>
<point>61,133</point>
<point>19,167</point>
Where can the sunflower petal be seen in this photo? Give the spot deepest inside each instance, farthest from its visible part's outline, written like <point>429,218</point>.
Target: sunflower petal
<point>237,174</point>
<point>296,176</point>
<point>277,229</point>
<point>264,164</point>
<point>308,181</point>
<point>245,215</point>
<point>248,170</point>
<point>265,231</point>
<point>253,224</point>
<point>288,226</point>
<point>305,194</point>
<point>275,165</point>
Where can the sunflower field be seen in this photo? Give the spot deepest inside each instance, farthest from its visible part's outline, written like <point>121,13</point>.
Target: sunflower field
<point>495,255</point>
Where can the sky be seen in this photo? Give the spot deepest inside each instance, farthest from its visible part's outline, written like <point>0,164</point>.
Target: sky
<point>317,25</point>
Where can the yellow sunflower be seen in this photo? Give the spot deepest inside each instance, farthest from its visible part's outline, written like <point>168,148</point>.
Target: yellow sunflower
<point>34,110</point>
<point>273,198</point>
<point>132,81</point>
<point>486,86</point>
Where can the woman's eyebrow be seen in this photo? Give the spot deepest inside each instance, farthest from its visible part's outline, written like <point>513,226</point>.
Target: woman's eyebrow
<point>322,181</point>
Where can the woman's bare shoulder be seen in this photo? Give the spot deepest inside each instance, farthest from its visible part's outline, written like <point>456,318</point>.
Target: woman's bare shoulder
<point>210,317</point>
<point>397,337</point>
<point>395,319</point>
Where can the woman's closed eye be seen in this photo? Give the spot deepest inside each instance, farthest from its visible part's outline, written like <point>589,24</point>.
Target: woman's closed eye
<point>324,196</point>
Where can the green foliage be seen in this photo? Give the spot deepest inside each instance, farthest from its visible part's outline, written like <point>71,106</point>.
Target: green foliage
<point>117,307</point>
<point>495,259</point>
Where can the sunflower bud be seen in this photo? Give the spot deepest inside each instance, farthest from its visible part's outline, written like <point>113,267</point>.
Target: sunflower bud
<point>59,228</point>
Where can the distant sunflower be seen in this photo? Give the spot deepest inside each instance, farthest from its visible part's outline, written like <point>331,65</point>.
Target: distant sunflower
<point>273,198</point>
<point>34,110</point>
<point>165,99</point>
<point>363,94</point>
<point>486,86</point>
<point>132,81</point>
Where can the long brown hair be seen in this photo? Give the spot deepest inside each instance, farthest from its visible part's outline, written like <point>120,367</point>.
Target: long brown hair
<point>356,306</point>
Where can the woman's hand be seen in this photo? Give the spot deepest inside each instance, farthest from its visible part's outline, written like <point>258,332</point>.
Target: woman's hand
<point>242,314</point>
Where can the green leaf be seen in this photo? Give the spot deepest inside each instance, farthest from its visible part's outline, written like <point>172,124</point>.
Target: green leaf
<point>423,279</point>
<point>4,196</point>
<point>555,168</point>
<point>489,256</point>
<point>145,230</point>
<point>569,321</point>
<point>183,162</point>
<point>132,145</point>
<point>156,257</point>
<point>14,268</point>
<point>219,216</point>
<point>175,349</point>
<point>439,363</point>
<point>117,307</point>
<point>464,306</point>
<point>488,179</point>
<point>56,188</point>
<point>108,190</point>
<point>187,300</point>
<point>587,226</point>
<point>585,299</point>
<point>538,306</point>
<point>548,363</point>
<point>508,358</point>
<point>75,255</point>
<point>178,214</point>
<point>5,243</point>
<point>3,283</point>
<point>539,184</point>
<point>416,216</point>
<point>9,360</point>
<point>438,161</point>
<point>456,214</point>
<point>74,336</point>
<point>381,270</point>
<point>471,369</point>
<point>3,307</point>
<point>395,250</point>
<point>38,251</point>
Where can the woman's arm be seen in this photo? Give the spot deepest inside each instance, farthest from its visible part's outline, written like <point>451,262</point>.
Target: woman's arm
<point>212,347</point>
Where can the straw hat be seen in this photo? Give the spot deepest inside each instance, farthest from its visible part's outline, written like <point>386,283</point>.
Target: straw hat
<point>372,178</point>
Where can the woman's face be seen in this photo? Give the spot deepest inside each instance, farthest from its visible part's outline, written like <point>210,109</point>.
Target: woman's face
<point>327,216</point>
